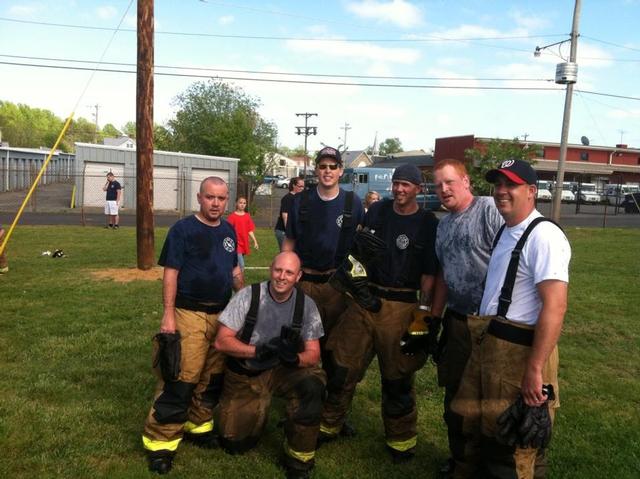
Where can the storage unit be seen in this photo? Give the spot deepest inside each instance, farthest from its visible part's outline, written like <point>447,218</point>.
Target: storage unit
<point>176,176</point>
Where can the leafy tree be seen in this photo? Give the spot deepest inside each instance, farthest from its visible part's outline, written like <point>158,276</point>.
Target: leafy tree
<point>110,131</point>
<point>491,153</point>
<point>215,118</point>
<point>28,127</point>
<point>390,146</point>
<point>129,129</point>
<point>162,138</point>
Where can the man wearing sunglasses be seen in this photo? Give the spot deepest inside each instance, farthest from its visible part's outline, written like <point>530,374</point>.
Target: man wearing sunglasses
<point>320,229</point>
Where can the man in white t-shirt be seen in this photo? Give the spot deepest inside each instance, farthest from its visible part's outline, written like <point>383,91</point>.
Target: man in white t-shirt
<point>524,302</point>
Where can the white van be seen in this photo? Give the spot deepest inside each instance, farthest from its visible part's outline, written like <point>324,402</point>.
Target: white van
<point>544,191</point>
<point>567,191</point>
<point>588,193</point>
<point>615,193</point>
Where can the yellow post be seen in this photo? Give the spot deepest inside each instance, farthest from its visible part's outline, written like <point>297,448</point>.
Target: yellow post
<point>35,183</point>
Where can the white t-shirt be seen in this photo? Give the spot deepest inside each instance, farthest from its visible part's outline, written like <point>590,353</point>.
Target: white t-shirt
<point>545,255</point>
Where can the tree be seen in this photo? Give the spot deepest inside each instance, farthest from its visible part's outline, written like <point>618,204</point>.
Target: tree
<point>110,131</point>
<point>390,146</point>
<point>129,129</point>
<point>162,138</point>
<point>489,154</point>
<point>215,118</point>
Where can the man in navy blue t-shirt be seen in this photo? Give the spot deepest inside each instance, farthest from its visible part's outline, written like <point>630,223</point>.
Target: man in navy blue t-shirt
<point>200,270</point>
<point>320,229</point>
<point>408,266</point>
<point>113,201</point>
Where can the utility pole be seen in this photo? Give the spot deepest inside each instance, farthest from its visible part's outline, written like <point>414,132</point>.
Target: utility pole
<point>557,193</point>
<point>144,137</point>
<point>306,131</point>
<point>346,127</point>
<point>95,117</point>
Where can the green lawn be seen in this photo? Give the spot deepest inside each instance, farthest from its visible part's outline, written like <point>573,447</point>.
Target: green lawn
<point>76,382</point>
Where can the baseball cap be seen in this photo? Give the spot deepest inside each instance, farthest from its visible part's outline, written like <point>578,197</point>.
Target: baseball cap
<point>410,173</point>
<point>518,171</point>
<point>329,152</point>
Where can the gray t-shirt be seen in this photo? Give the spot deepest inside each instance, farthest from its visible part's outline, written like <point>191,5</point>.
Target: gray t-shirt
<point>463,246</point>
<point>271,315</point>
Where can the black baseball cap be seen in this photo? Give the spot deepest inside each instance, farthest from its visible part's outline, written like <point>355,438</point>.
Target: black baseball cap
<point>329,152</point>
<point>518,171</point>
<point>407,172</point>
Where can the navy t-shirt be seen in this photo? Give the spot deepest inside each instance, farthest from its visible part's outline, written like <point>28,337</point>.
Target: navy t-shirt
<point>320,237</point>
<point>112,190</point>
<point>205,256</point>
<point>404,264</point>
<point>285,206</point>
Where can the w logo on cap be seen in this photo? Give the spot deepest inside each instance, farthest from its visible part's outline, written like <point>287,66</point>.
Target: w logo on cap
<point>328,151</point>
<point>507,164</point>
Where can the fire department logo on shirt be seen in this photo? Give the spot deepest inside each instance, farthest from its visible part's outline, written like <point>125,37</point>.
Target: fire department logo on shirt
<point>339,221</point>
<point>402,242</point>
<point>229,244</point>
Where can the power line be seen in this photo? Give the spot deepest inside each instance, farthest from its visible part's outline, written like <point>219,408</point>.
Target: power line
<point>611,43</point>
<point>261,72</point>
<point>424,39</point>
<point>334,83</point>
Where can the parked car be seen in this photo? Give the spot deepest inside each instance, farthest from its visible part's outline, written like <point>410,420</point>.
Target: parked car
<point>283,183</point>
<point>631,203</point>
<point>615,194</point>
<point>544,191</point>
<point>567,191</point>
<point>272,178</point>
<point>587,192</point>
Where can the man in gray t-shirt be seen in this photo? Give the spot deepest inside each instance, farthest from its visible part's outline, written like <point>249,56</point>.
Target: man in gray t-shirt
<point>463,247</point>
<point>274,349</point>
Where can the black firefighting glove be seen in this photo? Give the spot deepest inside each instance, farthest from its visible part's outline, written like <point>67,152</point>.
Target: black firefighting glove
<point>289,345</point>
<point>535,427</point>
<point>268,350</point>
<point>167,355</point>
<point>351,278</point>
<point>422,335</point>
<point>526,426</point>
<point>367,247</point>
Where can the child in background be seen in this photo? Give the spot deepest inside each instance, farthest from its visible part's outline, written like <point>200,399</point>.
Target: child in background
<point>243,224</point>
<point>4,265</point>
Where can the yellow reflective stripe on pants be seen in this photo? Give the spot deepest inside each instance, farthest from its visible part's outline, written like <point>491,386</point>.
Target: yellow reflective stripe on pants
<point>198,429</point>
<point>153,445</point>
<point>332,431</point>
<point>403,445</point>
<point>300,456</point>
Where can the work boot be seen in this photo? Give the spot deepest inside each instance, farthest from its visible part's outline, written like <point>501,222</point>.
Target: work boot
<point>400,457</point>
<point>446,469</point>
<point>325,438</point>
<point>207,440</point>
<point>348,430</point>
<point>160,464</point>
<point>4,270</point>
<point>293,470</point>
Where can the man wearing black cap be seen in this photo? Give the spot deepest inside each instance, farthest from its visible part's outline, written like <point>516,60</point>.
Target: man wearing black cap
<point>509,390</point>
<point>320,229</point>
<point>409,265</point>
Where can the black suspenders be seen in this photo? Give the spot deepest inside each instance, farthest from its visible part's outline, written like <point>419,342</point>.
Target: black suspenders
<point>504,300</point>
<point>252,316</point>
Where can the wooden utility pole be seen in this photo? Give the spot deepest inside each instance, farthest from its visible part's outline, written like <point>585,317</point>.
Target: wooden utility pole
<point>144,140</point>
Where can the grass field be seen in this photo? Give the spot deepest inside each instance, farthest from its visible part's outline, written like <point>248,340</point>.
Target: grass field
<point>76,382</point>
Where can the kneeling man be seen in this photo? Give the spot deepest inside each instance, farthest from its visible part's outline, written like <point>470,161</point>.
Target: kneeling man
<point>271,333</point>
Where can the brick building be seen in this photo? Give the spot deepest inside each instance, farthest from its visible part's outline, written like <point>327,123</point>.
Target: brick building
<point>585,163</point>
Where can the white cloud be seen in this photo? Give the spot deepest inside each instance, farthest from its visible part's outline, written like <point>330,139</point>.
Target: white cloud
<point>24,10</point>
<point>452,81</point>
<point>624,114</point>
<point>397,12</point>
<point>226,20</point>
<point>529,21</point>
<point>106,12</point>
<point>358,51</point>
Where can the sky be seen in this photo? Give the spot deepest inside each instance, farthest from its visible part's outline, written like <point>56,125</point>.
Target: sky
<point>302,45</point>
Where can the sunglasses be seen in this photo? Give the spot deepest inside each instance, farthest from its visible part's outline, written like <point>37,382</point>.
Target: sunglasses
<point>324,166</point>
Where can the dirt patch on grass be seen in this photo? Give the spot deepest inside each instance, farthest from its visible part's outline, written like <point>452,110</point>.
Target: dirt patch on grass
<point>126,275</point>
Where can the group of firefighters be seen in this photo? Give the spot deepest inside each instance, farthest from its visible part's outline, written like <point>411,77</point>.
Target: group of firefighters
<point>483,292</point>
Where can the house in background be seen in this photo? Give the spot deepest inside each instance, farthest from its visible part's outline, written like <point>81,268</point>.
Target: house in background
<point>356,159</point>
<point>278,164</point>
<point>120,142</point>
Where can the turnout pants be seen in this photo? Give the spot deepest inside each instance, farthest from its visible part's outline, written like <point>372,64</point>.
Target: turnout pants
<point>244,409</point>
<point>357,338</point>
<point>331,303</point>
<point>186,405</point>
<point>489,385</point>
